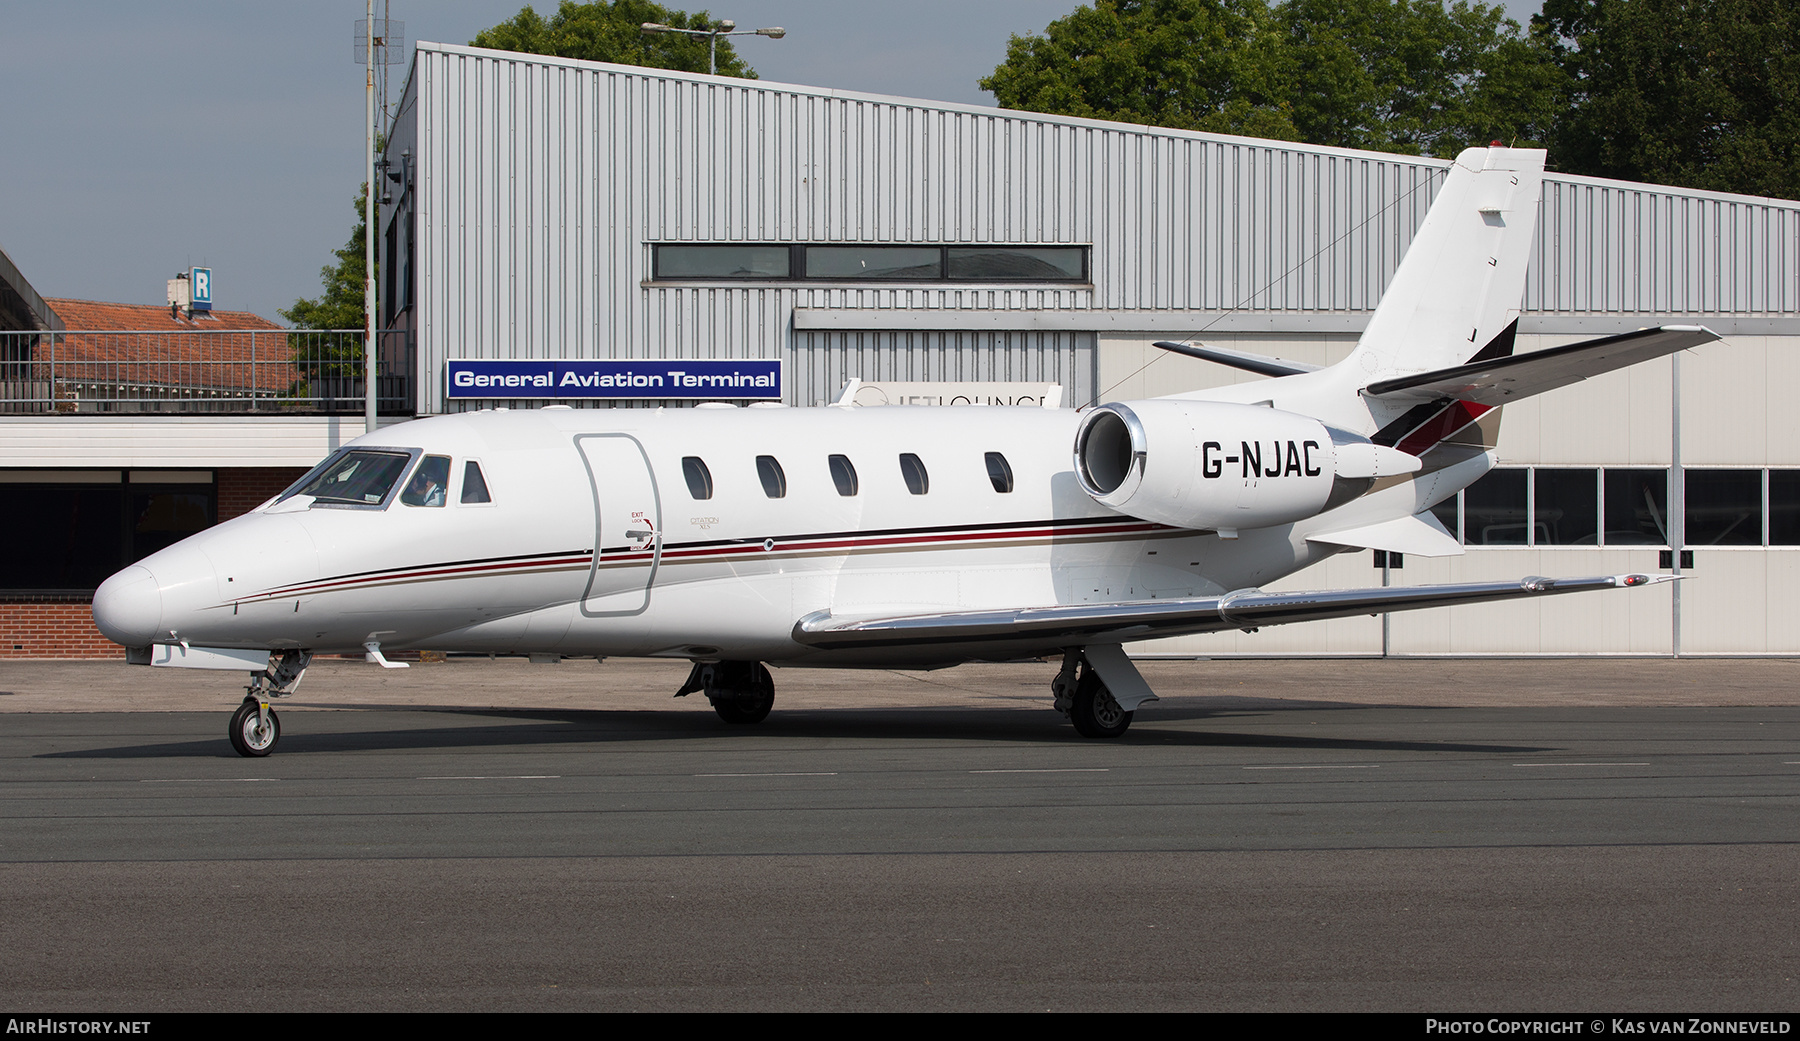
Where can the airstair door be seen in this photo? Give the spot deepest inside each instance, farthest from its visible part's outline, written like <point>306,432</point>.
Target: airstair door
<point>627,525</point>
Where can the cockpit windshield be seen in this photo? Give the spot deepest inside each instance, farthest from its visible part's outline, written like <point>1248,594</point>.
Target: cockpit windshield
<point>360,477</point>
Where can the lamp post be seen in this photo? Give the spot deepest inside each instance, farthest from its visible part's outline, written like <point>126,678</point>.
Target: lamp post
<point>723,27</point>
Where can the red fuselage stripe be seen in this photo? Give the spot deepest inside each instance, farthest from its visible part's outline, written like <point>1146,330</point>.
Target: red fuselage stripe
<point>751,549</point>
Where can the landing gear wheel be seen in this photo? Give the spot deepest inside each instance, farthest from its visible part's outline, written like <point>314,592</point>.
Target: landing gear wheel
<point>1095,713</point>
<point>249,736</point>
<point>744,692</point>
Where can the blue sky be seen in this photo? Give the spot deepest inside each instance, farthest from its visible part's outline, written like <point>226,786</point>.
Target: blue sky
<point>145,137</point>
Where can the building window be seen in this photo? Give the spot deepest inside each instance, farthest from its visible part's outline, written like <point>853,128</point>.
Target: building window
<point>1017,264</point>
<point>69,530</point>
<point>1496,510</point>
<point>699,478</point>
<point>1784,507</point>
<point>774,482</point>
<point>879,263</point>
<point>912,468</point>
<point>1565,507</point>
<point>1636,507</point>
<point>753,262</point>
<point>843,474</point>
<point>867,262</point>
<point>1723,508</point>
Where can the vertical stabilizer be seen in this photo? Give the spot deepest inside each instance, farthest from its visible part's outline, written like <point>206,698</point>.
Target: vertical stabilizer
<point>1462,280</point>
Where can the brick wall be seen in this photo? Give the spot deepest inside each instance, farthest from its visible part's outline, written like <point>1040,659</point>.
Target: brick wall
<point>244,489</point>
<point>53,626</point>
<point>52,630</point>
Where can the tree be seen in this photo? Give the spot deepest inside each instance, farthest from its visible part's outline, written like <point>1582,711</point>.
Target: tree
<point>603,31</point>
<point>339,307</point>
<point>1701,93</point>
<point>1415,76</point>
<point>1212,65</point>
<point>1411,76</point>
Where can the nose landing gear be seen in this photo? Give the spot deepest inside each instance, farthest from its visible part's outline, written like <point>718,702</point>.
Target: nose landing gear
<point>255,728</point>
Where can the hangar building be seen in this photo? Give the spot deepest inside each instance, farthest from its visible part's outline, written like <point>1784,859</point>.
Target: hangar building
<point>551,208</point>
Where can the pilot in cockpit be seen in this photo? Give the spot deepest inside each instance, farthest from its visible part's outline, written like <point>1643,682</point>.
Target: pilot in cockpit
<point>428,483</point>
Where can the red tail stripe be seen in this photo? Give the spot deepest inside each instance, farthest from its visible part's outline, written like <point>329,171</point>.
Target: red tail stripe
<point>1458,415</point>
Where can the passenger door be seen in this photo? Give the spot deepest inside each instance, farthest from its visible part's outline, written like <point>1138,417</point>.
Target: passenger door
<point>627,525</point>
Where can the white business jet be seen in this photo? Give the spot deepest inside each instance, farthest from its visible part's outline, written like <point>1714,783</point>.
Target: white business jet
<point>901,537</point>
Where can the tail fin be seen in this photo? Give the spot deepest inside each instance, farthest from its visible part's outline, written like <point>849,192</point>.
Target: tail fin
<point>1461,283</point>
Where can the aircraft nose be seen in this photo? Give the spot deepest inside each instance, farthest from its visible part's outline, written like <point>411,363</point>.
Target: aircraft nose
<point>128,607</point>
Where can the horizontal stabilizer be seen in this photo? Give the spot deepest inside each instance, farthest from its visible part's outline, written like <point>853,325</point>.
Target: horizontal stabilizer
<point>1261,364</point>
<point>1500,380</point>
<point>1042,630</point>
<point>1421,535</point>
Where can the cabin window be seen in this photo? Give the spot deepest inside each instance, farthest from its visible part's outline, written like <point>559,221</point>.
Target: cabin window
<point>474,487</point>
<point>999,472</point>
<point>360,477</point>
<point>774,482</point>
<point>918,481</point>
<point>699,478</point>
<point>429,483</point>
<point>843,474</point>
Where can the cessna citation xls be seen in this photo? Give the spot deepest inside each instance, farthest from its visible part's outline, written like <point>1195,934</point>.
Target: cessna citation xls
<point>898,537</point>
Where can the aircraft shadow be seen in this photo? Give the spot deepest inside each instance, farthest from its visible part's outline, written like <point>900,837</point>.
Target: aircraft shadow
<point>559,728</point>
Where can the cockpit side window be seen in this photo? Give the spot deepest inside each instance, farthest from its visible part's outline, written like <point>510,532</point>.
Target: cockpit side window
<point>430,483</point>
<point>474,487</point>
<point>360,477</point>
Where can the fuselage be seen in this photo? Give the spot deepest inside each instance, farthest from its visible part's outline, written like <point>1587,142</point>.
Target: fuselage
<point>693,533</point>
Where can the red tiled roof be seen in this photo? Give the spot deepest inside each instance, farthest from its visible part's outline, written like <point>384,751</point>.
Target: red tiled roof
<point>96,315</point>
<point>215,351</point>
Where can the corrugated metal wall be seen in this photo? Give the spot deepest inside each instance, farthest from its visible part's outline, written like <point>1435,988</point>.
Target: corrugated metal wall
<point>542,183</point>
<point>822,361</point>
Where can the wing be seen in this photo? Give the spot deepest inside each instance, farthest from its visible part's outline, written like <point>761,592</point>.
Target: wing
<point>1258,363</point>
<point>1042,630</point>
<point>1500,380</point>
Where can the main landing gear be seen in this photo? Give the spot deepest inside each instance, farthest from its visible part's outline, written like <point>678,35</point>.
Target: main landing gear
<point>740,691</point>
<point>1085,698</point>
<point>255,728</point>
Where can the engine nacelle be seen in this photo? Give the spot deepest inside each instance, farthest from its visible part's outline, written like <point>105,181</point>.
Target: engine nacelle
<point>1225,467</point>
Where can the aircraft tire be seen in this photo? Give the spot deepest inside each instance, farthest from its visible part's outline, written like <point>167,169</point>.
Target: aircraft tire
<point>1095,713</point>
<point>748,703</point>
<point>249,739</point>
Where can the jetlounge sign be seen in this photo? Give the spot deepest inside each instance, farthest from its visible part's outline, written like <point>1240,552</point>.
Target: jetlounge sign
<point>750,379</point>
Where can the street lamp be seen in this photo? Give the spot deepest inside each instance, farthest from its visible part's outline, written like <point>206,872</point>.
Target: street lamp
<point>723,27</point>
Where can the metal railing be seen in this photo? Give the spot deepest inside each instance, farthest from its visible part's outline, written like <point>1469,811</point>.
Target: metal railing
<point>200,371</point>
